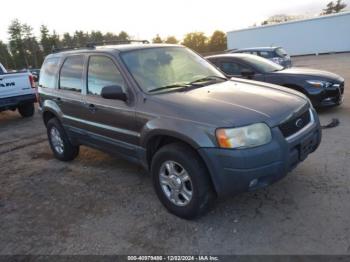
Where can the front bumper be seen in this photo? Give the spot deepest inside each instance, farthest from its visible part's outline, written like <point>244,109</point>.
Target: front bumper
<point>332,96</point>
<point>235,171</point>
<point>14,102</point>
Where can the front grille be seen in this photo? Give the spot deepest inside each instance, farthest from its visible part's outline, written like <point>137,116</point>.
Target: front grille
<point>295,124</point>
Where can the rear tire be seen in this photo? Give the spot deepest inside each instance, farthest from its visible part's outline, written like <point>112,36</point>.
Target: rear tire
<point>26,110</point>
<point>60,144</point>
<point>186,198</point>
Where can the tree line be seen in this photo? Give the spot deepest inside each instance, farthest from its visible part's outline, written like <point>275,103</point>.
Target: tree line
<point>198,41</point>
<point>334,7</point>
<point>25,50</point>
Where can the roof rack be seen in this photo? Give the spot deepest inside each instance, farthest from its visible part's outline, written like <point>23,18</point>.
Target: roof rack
<point>94,44</point>
<point>62,49</point>
<point>115,42</point>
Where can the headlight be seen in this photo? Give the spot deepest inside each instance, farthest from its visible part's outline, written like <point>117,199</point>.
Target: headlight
<point>243,137</point>
<point>319,83</point>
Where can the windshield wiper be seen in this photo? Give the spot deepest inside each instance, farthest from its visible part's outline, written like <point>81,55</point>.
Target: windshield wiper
<point>207,78</point>
<point>167,87</point>
<point>186,85</point>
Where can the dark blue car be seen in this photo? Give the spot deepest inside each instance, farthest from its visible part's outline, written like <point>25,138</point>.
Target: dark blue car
<point>275,54</point>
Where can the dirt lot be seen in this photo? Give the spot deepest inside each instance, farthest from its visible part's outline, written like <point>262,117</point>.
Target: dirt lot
<point>101,204</point>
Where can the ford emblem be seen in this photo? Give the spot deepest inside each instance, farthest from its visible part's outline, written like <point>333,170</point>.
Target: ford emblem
<point>299,122</point>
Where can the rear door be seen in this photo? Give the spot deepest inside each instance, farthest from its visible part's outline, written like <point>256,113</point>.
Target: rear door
<point>69,97</point>
<point>111,122</point>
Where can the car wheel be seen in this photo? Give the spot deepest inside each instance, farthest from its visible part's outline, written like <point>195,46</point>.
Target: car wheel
<point>26,110</point>
<point>60,144</point>
<point>181,181</point>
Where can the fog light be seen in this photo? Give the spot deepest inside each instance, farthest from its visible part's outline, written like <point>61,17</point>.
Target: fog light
<point>253,183</point>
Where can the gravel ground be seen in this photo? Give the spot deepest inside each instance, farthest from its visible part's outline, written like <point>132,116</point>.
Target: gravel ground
<point>100,204</point>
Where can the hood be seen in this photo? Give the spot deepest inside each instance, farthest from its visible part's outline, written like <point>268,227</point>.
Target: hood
<point>308,72</point>
<point>231,103</point>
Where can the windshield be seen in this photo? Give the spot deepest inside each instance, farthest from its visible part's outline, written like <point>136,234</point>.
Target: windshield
<point>162,67</point>
<point>262,64</point>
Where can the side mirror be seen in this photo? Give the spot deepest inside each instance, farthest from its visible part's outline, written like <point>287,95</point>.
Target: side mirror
<point>247,73</point>
<point>113,92</point>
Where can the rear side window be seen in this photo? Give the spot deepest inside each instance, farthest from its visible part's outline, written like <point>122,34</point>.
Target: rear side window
<point>103,72</point>
<point>48,73</point>
<point>251,52</point>
<point>232,68</point>
<point>71,77</point>
<point>267,54</point>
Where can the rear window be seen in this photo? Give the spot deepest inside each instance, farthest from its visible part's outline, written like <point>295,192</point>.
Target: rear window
<point>281,52</point>
<point>48,73</point>
<point>71,77</point>
<point>262,64</point>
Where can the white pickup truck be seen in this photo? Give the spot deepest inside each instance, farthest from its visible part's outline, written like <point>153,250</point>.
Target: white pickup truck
<point>17,91</point>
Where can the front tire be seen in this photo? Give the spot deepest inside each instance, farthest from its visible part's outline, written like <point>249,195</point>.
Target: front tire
<point>26,110</point>
<point>181,181</point>
<point>60,144</point>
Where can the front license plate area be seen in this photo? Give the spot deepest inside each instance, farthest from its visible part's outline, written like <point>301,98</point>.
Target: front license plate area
<point>307,146</point>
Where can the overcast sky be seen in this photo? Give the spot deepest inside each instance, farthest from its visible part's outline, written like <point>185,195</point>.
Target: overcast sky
<point>144,19</point>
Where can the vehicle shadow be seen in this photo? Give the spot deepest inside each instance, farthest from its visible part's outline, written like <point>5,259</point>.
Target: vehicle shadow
<point>10,117</point>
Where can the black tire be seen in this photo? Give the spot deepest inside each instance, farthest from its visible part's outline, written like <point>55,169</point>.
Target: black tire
<point>201,186</point>
<point>26,110</point>
<point>69,151</point>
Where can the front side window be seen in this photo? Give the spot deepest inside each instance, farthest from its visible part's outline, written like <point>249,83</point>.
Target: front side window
<point>48,73</point>
<point>71,77</point>
<point>103,72</point>
<point>154,68</point>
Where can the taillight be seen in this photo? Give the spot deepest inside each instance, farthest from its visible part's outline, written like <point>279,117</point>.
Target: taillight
<point>32,83</point>
<point>31,80</point>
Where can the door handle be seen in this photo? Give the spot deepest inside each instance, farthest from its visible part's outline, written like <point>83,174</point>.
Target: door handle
<point>57,99</point>
<point>92,108</point>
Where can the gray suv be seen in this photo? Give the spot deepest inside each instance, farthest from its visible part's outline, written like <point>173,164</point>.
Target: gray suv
<point>163,106</point>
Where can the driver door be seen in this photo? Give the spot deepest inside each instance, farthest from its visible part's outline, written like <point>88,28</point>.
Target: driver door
<point>111,121</point>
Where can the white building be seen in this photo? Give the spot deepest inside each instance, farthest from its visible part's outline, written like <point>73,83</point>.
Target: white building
<point>324,34</point>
